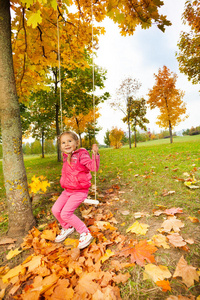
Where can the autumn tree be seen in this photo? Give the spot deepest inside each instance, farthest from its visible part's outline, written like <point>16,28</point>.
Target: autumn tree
<point>80,122</point>
<point>115,137</point>
<point>125,99</point>
<point>42,110</point>
<point>188,55</point>
<point>136,115</point>
<point>106,138</point>
<point>165,96</point>
<point>33,52</point>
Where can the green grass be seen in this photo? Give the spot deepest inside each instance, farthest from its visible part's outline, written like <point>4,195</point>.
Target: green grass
<point>144,172</point>
<point>137,177</point>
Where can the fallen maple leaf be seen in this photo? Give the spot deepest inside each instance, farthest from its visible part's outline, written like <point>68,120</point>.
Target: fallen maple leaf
<point>172,223</point>
<point>193,219</point>
<point>156,273</point>
<point>167,193</point>
<point>13,253</point>
<point>187,272</point>
<point>140,252</point>
<point>164,284</point>
<point>160,240</point>
<point>104,225</point>
<point>176,240</point>
<point>86,283</point>
<point>138,228</point>
<point>7,240</point>
<point>173,211</point>
<point>107,255</point>
<point>138,215</point>
<point>13,272</point>
<point>121,278</point>
<point>71,243</point>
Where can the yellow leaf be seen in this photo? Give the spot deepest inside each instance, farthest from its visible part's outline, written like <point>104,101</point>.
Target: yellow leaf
<point>13,253</point>
<point>71,243</point>
<point>156,273</point>
<point>138,228</point>
<point>34,19</point>
<point>104,225</point>
<point>160,240</point>
<point>14,272</point>
<point>107,255</point>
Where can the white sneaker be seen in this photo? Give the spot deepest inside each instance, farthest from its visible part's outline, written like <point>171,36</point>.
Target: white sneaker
<point>85,240</point>
<point>63,234</point>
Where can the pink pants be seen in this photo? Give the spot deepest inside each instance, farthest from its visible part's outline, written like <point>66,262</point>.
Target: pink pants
<point>64,207</point>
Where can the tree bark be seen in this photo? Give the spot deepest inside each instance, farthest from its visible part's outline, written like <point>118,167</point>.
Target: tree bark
<point>170,132</point>
<point>20,214</point>
<point>42,143</point>
<point>129,135</point>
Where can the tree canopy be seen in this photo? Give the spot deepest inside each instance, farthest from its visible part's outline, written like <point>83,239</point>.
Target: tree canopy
<point>188,55</point>
<point>165,96</point>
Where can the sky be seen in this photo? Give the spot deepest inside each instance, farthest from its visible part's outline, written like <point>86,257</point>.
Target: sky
<point>140,56</point>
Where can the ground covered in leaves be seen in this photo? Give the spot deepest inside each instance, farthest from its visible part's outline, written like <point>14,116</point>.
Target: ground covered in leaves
<point>145,261</point>
<point>146,230</point>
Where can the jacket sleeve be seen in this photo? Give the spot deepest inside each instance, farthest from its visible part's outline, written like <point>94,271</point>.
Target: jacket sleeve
<point>91,164</point>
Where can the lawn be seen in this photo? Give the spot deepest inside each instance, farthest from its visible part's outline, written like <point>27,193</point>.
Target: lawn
<point>145,180</point>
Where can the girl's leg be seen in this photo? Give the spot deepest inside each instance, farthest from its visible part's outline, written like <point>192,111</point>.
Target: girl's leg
<point>67,213</point>
<point>57,208</point>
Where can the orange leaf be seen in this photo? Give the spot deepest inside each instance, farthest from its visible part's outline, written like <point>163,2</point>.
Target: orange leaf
<point>140,252</point>
<point>187,272</point>
<point>164,284</point>
<point>86,283</point>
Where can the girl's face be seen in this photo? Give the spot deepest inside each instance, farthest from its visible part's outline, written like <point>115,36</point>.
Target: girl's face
<point>68,144</point>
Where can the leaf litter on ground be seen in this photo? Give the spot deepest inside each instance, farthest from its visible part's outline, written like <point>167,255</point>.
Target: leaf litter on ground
<point>55,270</point>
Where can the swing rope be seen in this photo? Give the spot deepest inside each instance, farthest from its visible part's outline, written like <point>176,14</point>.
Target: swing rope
<point>59,71</point>
<point>94,119</point>
<point>88,201</point>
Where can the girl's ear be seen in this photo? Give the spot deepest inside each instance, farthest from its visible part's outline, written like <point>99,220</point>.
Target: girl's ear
<point>78,143</point>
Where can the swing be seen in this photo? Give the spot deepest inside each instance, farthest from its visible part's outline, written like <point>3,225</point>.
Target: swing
<point>87,200</point>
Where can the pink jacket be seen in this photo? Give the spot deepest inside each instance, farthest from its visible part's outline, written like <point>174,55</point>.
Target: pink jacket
<point>77,176</point>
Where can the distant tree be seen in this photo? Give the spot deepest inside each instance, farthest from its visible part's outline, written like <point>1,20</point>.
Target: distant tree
<point>49,146</point>
<point>115,137</point>
<point>81,122</point>
<point>125,99</point>
<point>188,55</point>
<point>168,99</point>
<point>106,138</point>
<point>192,131</point>
<point>42,111</point>
<point>137,114</point>
<point>90,134</point>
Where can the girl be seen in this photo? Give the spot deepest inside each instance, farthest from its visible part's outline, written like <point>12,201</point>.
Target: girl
<point>76,180</point>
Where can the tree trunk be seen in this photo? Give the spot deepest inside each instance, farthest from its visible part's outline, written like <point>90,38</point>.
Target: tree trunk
<point>42,143</point>
<point>20,214</point>
<point>129,134</point>
<point>170,132</point>
<point>135,138</point>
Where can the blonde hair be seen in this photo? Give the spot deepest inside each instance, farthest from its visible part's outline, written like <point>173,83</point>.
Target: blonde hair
<point>74,137</point>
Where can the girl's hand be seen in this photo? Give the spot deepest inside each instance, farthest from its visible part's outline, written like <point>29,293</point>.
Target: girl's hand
<point>95,149</point>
